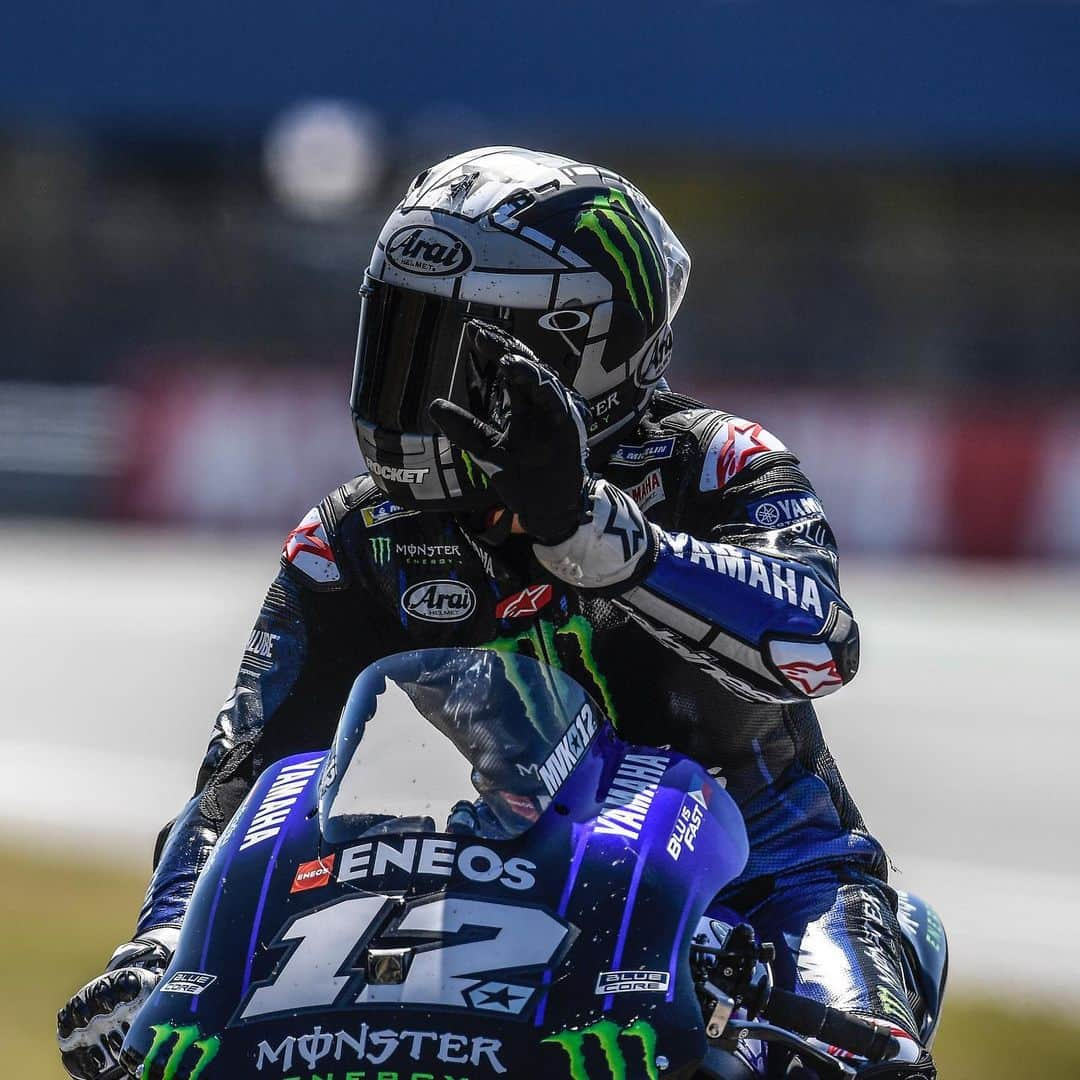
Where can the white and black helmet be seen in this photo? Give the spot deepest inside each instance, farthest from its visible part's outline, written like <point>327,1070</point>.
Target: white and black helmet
<point>569,258</point>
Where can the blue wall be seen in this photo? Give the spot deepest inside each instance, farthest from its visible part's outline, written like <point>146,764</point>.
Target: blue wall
<point>864,76</point>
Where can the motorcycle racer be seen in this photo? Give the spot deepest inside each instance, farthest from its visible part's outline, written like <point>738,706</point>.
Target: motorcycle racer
<point>534,485</point>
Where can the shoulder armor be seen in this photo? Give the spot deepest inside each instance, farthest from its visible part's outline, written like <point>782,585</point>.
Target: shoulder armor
<point>729,445</point>
<point>666,402</point>
<point>312,549</point>
<point>359,491</point>
<point>309,551</point>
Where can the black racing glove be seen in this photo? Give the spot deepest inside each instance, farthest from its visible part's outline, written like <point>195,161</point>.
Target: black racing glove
<point>91,1026</point>
<point>530,438</point>
<point>923,1069</point>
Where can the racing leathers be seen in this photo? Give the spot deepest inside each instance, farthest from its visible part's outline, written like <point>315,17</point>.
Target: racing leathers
<point>730,623</point>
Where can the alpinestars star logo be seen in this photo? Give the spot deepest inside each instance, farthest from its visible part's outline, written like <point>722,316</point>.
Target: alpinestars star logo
<point>743,443</point>
<point>732,448</point>
<point>631,534</point>
<point>308,548</point>
<point>810,678</point>
<point>527,602</point>
<point>185,1048</point>
<point>623,1049</point>
<point>305,538</point>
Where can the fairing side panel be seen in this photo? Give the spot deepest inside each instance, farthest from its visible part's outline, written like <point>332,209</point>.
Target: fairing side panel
<point>558,951</point>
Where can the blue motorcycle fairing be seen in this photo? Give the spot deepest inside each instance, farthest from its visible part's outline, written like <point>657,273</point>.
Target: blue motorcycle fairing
<point>545,954</point>
<point>926,958</point>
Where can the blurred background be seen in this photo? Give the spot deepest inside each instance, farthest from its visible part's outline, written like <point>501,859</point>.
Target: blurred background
<point>882,202</point>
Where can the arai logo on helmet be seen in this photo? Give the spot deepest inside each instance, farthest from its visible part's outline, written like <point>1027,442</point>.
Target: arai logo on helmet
<point>439,601</point>
<point>424,249</point>
<point>655,359</point>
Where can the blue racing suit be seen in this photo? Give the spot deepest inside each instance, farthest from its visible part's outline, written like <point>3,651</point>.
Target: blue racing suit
<point>715,647</point>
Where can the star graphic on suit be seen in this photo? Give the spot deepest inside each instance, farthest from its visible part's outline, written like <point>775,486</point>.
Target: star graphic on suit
<point>303,538</point>
<point>742,444</point>
<point>812,677</point>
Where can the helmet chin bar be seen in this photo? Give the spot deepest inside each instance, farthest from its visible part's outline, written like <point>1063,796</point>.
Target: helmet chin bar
<point>602,435</point>
<point>422,471</point>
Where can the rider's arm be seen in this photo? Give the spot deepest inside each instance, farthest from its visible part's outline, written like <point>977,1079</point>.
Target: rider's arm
<point>294,678</point>
<point>744,580</point>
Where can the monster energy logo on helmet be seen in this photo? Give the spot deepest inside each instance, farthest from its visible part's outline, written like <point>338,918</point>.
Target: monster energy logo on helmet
<point>616,224</point>
<point>612,1041</point>
<point>183,1040</point>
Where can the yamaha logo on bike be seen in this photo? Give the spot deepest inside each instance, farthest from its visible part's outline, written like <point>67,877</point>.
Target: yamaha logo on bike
<point>423,249</point>
<point>439,601</point>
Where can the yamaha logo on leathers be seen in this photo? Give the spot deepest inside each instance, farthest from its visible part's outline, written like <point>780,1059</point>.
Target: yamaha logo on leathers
<point>423,249</point>
<point>439,601</point>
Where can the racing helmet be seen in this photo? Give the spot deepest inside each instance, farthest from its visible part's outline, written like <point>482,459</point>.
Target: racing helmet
<point>569,258</point>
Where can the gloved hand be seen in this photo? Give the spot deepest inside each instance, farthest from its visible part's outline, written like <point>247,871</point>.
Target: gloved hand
<point>91,1026</point>
<point>531,440</point>
<point>613,548</point>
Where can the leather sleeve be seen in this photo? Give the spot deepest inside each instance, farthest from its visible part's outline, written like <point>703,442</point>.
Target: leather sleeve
<point>297,668</point>
<point>745,581</point>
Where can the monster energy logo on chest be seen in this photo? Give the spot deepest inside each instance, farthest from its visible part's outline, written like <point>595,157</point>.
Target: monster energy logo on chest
<point>618,227</point>
<point>186,1049</point>
<point>380,549</point>
<point>613,1043</point>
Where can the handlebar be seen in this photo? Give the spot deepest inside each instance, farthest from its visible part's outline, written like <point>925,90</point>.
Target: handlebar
<point>870,1039</point>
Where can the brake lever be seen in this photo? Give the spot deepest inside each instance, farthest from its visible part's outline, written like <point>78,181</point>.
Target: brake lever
<point>766,1032</point>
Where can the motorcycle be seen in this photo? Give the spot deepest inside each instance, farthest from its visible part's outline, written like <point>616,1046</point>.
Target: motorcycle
<point>562,925</point>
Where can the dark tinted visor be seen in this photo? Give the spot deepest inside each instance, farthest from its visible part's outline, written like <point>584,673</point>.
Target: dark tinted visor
<point>409,352</point>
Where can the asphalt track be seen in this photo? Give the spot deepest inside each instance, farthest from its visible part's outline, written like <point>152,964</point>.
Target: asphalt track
<point>960,739</point>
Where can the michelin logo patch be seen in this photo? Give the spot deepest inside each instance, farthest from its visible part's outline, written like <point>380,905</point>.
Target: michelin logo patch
<point>655,450</point>
<point>784,509</point>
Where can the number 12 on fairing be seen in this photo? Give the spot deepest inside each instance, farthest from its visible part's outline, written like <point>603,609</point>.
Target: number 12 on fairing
<point>490,938</point>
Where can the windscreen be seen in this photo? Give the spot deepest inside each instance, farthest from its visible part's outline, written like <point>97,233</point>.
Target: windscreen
<point>505,715</point>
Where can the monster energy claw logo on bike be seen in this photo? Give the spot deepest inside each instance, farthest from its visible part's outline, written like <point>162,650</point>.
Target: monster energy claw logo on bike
<point>613,1043</point>
<point>184,1048</point>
